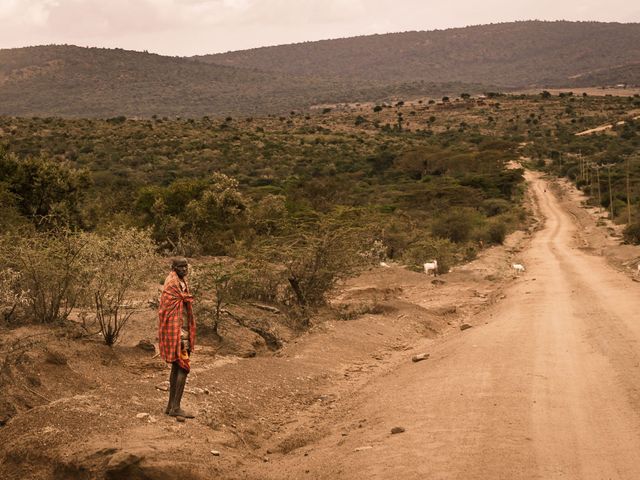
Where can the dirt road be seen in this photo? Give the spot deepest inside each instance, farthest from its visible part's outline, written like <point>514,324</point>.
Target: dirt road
<point>546,385</point>
<point>602,128</point>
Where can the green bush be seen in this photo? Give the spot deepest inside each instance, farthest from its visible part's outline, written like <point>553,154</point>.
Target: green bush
<point>457,224</point>
<point>496,232</point>
<point>45,191</point>
<point>495,206</point>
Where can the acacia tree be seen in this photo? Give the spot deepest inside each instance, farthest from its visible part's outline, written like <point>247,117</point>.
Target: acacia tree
<point>316,261</point>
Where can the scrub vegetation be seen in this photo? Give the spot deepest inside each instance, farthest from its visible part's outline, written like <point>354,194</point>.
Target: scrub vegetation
<point>290,205</point>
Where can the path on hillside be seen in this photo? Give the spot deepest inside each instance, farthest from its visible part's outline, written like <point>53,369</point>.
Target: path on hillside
<point>602,128</point>
<point>546,385</point>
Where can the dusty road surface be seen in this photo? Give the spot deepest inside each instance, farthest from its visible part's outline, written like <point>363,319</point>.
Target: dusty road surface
<point>546,385</point>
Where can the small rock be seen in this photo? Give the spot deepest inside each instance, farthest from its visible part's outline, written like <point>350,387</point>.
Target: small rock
<point>180,419</point>
<point>420,357</point>
<point>215,453</point>
<point>152,419</point>
<point>142,415</point>
<point>465,326</point>
<point>360,449</point>
<point>265,459</point>
<point>395,430</point>
<point>146,345</point>
<point>163,387</point>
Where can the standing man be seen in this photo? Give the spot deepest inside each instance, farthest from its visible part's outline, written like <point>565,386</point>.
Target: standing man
<point>176,332</point>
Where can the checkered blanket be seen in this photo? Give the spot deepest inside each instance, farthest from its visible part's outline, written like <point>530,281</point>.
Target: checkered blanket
<point>173,302</point>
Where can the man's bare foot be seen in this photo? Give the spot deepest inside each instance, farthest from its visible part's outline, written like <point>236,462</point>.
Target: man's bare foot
<point>178,412</point>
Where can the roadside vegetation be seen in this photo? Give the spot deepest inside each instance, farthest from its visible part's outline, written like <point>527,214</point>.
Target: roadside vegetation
<point>598,149</point>
<point>278,210</point>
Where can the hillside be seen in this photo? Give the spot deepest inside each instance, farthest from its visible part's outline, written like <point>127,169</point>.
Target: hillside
<point>95,82</point>
<point>506,54</point>
<point>69,80</point>
<point>74,81</point>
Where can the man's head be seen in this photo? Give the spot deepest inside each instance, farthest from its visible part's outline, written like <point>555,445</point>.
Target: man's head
<point>180,266</point>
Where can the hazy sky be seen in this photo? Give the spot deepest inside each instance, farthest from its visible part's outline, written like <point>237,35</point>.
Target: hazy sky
<point>189,27</point>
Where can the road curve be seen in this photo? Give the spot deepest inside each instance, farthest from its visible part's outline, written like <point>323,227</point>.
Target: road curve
<point>546,386</point>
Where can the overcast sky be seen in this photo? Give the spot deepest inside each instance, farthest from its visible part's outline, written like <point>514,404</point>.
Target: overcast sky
<point>190,27</point>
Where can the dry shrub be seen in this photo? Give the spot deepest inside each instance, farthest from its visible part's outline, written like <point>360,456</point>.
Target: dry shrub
<point>51,271</point>
<point>217,284</point>
<point>47,274</point>
<point>117,262</point>
<point>11,295</point>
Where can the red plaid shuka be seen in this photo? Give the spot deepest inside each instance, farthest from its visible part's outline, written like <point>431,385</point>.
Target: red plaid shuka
<point>172,302</point>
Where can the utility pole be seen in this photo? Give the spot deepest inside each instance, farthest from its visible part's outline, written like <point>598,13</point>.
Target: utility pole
<point>587,170</point>
<point>560,160</point>
<point>608,167</point>
<point>628,192</point>
<point>581,165</point>
<point>597,169</point>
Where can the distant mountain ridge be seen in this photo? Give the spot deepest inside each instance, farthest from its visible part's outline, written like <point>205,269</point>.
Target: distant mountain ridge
<point>513,54</point>
<point>96,82</point>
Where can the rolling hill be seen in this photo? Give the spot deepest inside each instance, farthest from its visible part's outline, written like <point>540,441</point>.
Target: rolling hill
<point>73,81</point>
<point>507,54</point>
